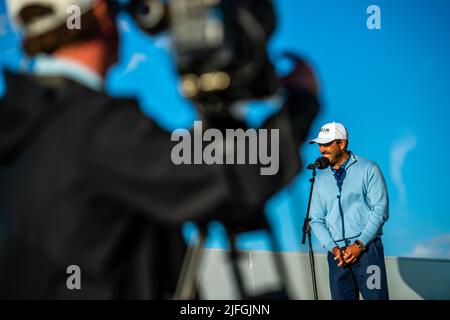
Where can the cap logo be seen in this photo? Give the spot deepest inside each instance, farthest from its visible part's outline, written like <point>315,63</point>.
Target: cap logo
<point>325,130</point>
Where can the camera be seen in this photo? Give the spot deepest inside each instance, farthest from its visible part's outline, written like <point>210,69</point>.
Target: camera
<point>220,47</point>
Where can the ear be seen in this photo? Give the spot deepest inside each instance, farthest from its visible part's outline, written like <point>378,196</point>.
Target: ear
<point>105,21</point>
<point>344,144</point>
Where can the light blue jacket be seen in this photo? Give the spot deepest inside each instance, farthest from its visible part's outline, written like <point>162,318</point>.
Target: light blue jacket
<point>357,210</point>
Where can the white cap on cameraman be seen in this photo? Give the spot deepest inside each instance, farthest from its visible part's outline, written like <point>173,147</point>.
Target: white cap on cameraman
<point>62,11</point>
<point>330,132</point>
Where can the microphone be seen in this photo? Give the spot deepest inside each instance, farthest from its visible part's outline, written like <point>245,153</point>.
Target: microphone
<point>320,163</point>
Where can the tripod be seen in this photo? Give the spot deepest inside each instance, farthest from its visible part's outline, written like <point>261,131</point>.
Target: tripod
<point>307,231</point>
<point>242,186</point>
<point>186,286</point>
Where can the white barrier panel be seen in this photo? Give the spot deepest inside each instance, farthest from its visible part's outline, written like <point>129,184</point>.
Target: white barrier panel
<point>408,278</point>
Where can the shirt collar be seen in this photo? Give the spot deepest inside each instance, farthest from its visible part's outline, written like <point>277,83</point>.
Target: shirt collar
<point>46,65</point>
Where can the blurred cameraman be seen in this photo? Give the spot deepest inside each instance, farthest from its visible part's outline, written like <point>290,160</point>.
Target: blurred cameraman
<point>87,180</point>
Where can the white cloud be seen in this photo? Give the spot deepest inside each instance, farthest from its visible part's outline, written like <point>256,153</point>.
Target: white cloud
<point>163,41</point>
<point>438,247</point>
<point>135,60</point>
<point>3,25</point>
<point>11,51</point>
<point>124,26</point>
<point>399,150</point>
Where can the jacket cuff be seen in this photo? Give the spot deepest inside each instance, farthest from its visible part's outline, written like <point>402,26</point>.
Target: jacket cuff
<point>330,245</point>
<point>366,238</point>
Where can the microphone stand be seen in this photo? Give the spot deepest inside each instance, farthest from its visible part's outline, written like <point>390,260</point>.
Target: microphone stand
<point>307,231</point>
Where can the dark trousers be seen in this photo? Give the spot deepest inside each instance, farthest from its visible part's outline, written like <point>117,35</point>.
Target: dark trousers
<point>367,275</point>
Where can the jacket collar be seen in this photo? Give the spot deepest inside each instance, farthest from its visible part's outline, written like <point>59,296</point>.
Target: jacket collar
<point>352,160</point>
<point>46,65</point>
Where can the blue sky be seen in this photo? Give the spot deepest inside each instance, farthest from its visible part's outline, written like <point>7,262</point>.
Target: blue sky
<point>390,87</point>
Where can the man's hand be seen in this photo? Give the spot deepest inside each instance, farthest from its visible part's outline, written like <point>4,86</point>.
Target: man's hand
<point>352,253</point>
<point>338,255</point>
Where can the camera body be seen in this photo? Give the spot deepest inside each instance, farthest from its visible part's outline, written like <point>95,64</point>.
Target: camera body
<point>220,47</point>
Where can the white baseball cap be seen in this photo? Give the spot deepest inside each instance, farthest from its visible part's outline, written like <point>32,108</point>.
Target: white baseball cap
<point>330,132</point>
<point>62,10</point>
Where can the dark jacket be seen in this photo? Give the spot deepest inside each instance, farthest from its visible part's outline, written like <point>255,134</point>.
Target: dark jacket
<point>87,180</point>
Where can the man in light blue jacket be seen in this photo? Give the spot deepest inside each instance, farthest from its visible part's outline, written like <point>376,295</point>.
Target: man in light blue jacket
<point>349,207</point>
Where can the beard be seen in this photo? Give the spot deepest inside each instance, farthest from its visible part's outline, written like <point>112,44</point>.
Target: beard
<point>334,157</point>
